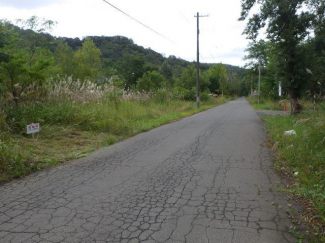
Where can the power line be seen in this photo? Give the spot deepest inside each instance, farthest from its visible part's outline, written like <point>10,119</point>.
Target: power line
<point>184,17</point>
<point>202,57</point>
<point>138,21</point>
<point>212,56</point>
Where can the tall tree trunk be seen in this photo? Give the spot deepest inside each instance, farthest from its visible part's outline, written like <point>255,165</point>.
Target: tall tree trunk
<point>296,106</point>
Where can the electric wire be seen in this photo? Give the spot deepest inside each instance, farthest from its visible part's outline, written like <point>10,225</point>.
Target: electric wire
<point>144,25</point>
<point>203,58</point>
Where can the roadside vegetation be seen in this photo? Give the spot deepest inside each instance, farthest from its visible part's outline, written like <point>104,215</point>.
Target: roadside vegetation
<point>301,158</point>
<point>269,104</point>
<point>77,118</point>
<point>291,56</point>
<point>280,104</point>
<point>292,52</point>
<point>89,93</point>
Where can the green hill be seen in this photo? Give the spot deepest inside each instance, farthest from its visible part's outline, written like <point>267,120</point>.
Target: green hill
<point>114,48</point>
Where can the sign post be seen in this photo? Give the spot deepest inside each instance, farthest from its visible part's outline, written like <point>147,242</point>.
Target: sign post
<point>33,128</point>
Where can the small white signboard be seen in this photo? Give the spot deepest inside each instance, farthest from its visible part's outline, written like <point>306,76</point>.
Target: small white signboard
<point>280,89</point>
<point>33,128</point>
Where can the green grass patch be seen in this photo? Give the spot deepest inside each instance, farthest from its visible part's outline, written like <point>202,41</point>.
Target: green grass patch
<point>302,156</point>
<point>268,104</point>
<point>71,130</point>
<point>279,105</point>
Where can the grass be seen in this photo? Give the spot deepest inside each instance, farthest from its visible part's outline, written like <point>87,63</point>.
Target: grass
<point>268,104</point>
<point>302,159</point>
<point>278,105</point>
<point>71,129</point>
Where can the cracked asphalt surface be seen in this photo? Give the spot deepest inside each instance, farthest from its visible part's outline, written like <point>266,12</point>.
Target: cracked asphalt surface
<point>205,178</point>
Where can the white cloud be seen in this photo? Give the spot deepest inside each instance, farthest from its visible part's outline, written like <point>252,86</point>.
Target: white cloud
<point>26,4</point>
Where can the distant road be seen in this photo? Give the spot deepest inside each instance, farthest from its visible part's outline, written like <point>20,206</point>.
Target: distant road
<point>206,178</point>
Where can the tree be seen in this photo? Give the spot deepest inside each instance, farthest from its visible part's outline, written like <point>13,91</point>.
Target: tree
<point>262,53</point>
<point>315,51</point>
<point>187,79</point>
<point>234,84</point>
<point>88,61</point>
<point>216,74</point>
<point>217,78</point>
<point>246,83</point>
<point>64,56</point>
<point>3,56</point>
<point>36,24</point>
<point>24,71</point>
<point>131,68</point>
<point>287,24</point>
<point>223,79</point>
<point>34,38</point>
<point>166,70</point>
<point>151,81</point>
<point>258,51</point>
<point>18,77</point>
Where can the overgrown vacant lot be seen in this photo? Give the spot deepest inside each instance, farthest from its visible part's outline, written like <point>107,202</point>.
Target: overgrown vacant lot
<point>77,118</point>
<point>267,104</point>
<point>302,158</point>
<point>277,105</point>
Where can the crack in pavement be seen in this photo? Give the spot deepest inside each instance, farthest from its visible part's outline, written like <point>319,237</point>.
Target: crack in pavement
<point>206,178</point>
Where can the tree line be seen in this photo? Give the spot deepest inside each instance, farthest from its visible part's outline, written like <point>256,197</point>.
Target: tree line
<point>293,50</point>
<point>30,56</point>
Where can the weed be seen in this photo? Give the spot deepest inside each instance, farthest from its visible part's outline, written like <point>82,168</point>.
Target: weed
<point>301,157</point>
<point>79,117</point>
<point>267,104</point>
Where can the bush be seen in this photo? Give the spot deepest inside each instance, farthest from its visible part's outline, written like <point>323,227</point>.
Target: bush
<point>189,95</point>
<point>162,96</point>
<point>12,160</point>
<point>151,81</point>
<point>51,113</point>
<point>205,96</point>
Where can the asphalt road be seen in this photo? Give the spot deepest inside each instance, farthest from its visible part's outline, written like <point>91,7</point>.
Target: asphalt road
<point>205,178</point>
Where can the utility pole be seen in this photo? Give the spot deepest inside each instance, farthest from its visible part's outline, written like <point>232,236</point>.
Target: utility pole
<point>198,60</point>
<point>251,86</point>
<point>259,80</point>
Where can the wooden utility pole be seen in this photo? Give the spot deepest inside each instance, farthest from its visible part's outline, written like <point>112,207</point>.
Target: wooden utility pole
<point>251,86</point>
<point>259,81</point>
<point>198,61</point>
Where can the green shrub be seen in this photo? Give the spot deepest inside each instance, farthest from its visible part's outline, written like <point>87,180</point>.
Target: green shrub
<point>151,81</point>
<point>12,160</point>
<point>48,112</point>
<point>205,96</point>
<point>186,94</point>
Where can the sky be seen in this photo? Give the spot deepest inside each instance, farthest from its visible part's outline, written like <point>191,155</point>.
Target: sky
<point>221,38</point>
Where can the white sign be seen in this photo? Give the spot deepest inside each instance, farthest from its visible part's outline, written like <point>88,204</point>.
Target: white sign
<point>33,128</point>
<point>280,89</point>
